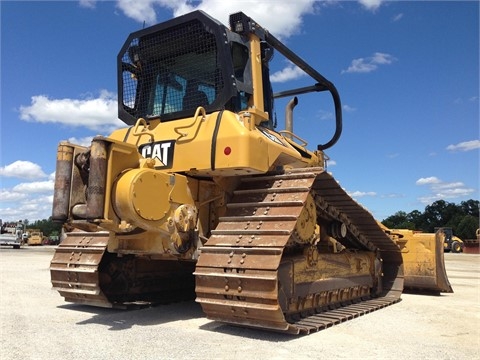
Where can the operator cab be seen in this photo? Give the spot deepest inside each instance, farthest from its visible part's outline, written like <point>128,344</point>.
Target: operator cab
<point>167,71</point>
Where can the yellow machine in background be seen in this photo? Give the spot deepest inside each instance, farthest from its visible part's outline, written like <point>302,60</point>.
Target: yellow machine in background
<point>35,237</point>
<point>452,243</point>
<point>199,196</point>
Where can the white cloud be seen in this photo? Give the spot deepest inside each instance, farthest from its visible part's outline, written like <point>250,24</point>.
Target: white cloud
<point>290,72</point>
<point>428,180</point>
<point>32,201</point>
<point>450,194</point>
<point>369,64</point>
<point>371,4</point>
<point>31,208</point>
<point>448,186</point>
<point>23,170</point>
<point>460,101</point>
<point>381,58</point>
<point>140,10</point>
<point>26,200</point>
<point>34,187</point>
<point>358,194</point>
<point>85,141</point>
<point>348,108</point>
<point>281,18</point>
<point>89,4</point>
<point>465,146</point>
<point>9,196</point>
<point>325,115</point>
<point>397,17</point>
<point>392,196</point>
<point>98,114</point>
<point>441,190</point>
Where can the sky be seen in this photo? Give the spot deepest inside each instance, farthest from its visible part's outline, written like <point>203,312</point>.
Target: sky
<point>407,74</point>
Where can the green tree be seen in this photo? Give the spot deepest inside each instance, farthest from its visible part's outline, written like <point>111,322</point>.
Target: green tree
<point>471,207</point>
<point>393,221</point>
<point>467,227</point>
<point>400,220</point>
<point>462,218</point>
<point>439,214</point>
<point>47,226</point>
<point>415,217</point>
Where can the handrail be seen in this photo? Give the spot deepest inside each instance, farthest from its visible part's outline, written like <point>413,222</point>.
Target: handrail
<point>321,85</point>
<point>144,130</point>
<point>291,135</point>
<point>200,114</point>
<point>243,24</point>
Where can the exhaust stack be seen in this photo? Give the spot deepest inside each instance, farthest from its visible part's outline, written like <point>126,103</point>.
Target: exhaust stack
<point>289,116</point>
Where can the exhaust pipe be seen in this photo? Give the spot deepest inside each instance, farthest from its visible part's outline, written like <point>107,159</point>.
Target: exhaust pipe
<point>97,179</point>
<point>289,116</point>
<point>63,177</point>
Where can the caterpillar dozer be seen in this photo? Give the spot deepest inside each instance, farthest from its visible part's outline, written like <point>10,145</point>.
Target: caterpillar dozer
<point>200,197</point>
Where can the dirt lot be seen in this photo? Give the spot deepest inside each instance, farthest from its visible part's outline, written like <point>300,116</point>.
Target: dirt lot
<point>37,324</point>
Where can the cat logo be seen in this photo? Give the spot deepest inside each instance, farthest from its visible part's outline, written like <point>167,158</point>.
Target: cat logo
<point>160,151</point>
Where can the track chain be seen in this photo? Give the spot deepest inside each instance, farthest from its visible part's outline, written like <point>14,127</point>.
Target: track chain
<point>74,269</point>
<point>237,274</point>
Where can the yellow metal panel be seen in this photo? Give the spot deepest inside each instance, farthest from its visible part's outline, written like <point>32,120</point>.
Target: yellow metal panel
<point>423,259</point>
<point>237,150</point>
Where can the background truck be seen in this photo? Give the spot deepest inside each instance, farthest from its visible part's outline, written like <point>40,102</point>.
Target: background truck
<point>11,233</point>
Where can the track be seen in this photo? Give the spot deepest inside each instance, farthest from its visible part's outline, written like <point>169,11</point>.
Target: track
<point>245,270</point>
<point>251,272</point>
<point>84,272</point>
<point>74,268</point>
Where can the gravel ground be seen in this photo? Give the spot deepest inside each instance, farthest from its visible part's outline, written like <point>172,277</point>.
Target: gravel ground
<point>37,324</point>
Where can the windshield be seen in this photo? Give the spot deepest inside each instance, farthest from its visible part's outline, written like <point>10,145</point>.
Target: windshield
<point>169,73</point>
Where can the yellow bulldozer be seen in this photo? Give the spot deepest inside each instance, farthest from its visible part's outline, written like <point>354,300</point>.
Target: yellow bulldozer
<point>200,197</point>
<point>35,237</point>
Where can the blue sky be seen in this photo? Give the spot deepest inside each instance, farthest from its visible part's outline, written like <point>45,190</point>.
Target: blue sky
<point>407,73</point>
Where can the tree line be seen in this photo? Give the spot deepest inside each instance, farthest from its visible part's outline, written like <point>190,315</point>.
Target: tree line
<point>463,218</point>
<point>47,226</point>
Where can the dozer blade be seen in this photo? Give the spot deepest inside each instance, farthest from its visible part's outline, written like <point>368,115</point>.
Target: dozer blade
<point>424,264</point>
